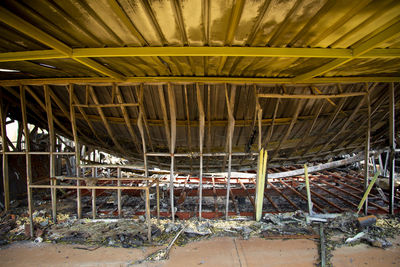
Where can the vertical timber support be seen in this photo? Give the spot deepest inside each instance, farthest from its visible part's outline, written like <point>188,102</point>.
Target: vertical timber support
<point>148,220</point>
<point>392,146</point>
<point>158,199</point>
<point>171,100</point>
<point>261,170</point>
<point>201,142</point>
<point>94,175</point>
<point>366,153</point>
<point>231,125</point>
<point>77,148</point>
<point>50,122</point>
<point>141,130</point>
<point>119,193</point>
<point>260,184</point>
<point>309,201</point>
<point>28,156</point>
<point>6,186</point>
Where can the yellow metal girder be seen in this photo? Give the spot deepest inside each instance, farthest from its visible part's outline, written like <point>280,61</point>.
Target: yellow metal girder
<point>197,52</point>
<point>212,51</point>
<point>193,79</point>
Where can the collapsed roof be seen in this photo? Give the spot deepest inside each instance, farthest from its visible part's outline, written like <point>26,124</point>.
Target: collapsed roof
<point>310,68</point>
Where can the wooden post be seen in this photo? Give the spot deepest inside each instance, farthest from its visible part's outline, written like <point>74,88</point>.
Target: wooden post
<point>141,130</point>
<point>260,184</point>
<point>119,193</point>
<point>94,175</point>
<point>53,181</point>
<point>77,148</point>
<point>260,181</point>
<point>392,147</point>
<point>309,201</point>
<point>148,214</point>
<point>366,153</point>
<point>28,156</point>
<point>158,200</point>
<point>231,125</point>
<point>171,100</point>
<point>201,140</point>
<point>6,186</point>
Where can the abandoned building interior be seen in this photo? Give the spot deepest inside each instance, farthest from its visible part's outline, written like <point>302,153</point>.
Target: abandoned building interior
<point>199,110</point>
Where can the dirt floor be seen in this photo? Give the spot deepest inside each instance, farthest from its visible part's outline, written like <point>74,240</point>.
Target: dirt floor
<point>364,255</point>
<point>224,251</point>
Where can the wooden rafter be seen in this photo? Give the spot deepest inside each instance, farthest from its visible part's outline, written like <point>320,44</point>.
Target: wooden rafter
<point>345,125</point>
<point>165,115</point>
<point>140,96</point>
<point>329,123</point>
<point>172,111</point>
<point>230,129</point>
<point>105,122</point>
<point>3,117</point>
<point>230,102</point>
<point>311,96</point>
<point>141,130</point>
<point>43,106</point>
<point>271,128</point>
<point>311,128</point>
<point>189,135</point>
<point>289,130</point>
<point>125,114</point>
<point>85,116</point>
<point>52,140</point>
<point>28,156</point>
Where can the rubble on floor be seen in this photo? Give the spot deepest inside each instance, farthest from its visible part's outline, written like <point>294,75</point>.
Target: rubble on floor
<point>340,230</point>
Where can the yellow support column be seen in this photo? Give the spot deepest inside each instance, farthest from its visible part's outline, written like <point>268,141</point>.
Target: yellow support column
<point>262,168</point>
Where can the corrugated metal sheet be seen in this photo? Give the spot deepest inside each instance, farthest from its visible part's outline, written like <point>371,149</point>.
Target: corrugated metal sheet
<point>329,24</point>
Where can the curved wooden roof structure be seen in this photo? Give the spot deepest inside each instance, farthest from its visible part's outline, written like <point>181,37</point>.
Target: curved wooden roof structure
<point>201,76</point>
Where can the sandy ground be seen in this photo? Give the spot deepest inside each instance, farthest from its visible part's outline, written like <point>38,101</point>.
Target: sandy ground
<point>364,255</point>
<point>226,251</point>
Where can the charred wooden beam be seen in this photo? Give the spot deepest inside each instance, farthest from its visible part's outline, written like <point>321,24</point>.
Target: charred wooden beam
<point>172,110</point>
<point>51,150</point>
<point>5,148</point>
<point>28,158</point>
<point>77,148</point>
<point>201,141</point>
<point>392,145</point>
<point>231,126</point>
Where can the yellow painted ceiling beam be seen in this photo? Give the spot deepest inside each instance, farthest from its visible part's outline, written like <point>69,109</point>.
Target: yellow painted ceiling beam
<point>363,48</point>
<point>28,29</point>
<point>194,79</point>
<point>198,51</point>
<point>212,51</point>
